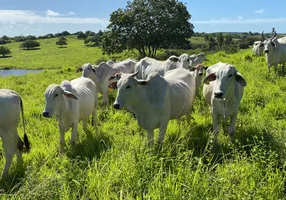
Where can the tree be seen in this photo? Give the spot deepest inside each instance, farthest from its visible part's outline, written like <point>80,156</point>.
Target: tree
<point>30,44</point>
<point>147,25</point>
<point>62,41</point>
<point>81,35</point>
<point>93,40</point>
<point>4,51</point>
<point>220,40</point>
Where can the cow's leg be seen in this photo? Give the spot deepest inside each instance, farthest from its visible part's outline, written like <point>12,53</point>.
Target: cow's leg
<point>163,128</point>
<point>105,98</point>
<point>74,132</point>
<point>84,124</point>
<point>268,67</point>
<point>9,143</point>
<point>94,116</point>
<point>150,137</point>
<point>216,119</point>
<point>62,139</point>
<point>231,127</point>
<point>20,146</point>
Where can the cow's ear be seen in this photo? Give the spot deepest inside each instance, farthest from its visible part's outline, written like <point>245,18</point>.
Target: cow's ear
<point>239,78</point>
<point>205,67</point>
<point>192,69</point>
<point>70,95</point>
<point>79,69</point>
<point>210,77</point>
<point>142,82</point>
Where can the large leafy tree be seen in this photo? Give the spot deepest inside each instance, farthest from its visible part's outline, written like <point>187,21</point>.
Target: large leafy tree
<point>148,25</point>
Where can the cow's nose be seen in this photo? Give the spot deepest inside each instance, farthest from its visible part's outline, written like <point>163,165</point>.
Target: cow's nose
<point>266,51</point>
<point>218,95</point>
<point>200,73</point>
<point>116,106</point>
<point>46,114</point>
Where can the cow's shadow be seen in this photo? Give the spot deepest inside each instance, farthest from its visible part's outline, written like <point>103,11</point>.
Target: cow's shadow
<point>91,146</point>
<point>196,142</point>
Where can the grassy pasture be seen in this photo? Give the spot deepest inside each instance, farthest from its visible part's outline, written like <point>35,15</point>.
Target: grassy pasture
<point>113,161</point>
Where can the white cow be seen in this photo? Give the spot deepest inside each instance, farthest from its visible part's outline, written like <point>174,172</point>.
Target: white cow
<point>156,100</point>
<point>223,90</point>
<point>198,72</point>
<point>100,74</point>
<point>258,48</point>
<point>125,66</point>
<point>197,59</point>
<point>147,65</point>
<point>71,102</point>
<point>10,106</point>
<point>275,52</point>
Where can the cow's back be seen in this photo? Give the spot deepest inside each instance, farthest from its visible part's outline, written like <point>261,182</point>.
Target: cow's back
<point>9,109</point>
<point>182,91</point>
<point>87,95</point>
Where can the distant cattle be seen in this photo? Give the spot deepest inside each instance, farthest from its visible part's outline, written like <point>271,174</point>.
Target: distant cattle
<point>197,59</point>
<point>223,91</point>
<point>11,106</point>
<point>71,102</point>
<point>197,72</point>
<point>124,66</point>
<point>147,65</point>
<point>275,51</point>
<point>100,74</point>
<point>157,99</point>
<point>258,48</point>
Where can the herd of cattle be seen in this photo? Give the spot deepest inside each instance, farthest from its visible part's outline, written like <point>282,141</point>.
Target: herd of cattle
<point>274,49</point>
<point>155,91</point>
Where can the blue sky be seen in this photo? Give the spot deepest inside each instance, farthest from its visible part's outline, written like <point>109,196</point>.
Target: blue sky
<point>40,17</point>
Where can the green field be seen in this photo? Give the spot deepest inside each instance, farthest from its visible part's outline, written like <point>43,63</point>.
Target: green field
<point>113,161</point>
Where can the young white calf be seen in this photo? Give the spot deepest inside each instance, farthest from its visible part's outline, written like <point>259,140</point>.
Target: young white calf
<point>71,102</point>
<point>10,106</point>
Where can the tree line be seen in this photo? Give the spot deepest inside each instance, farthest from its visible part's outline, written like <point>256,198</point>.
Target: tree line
<point>147,26</point>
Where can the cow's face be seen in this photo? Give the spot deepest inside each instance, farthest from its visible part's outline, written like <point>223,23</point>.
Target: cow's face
<point>225,79</point>
<point>127,87</point>
<point>54,95</point>
<point>184,61</point>
<point>270,45</point>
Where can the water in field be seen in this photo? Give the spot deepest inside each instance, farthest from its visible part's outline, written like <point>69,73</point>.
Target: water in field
<point>17,72</point>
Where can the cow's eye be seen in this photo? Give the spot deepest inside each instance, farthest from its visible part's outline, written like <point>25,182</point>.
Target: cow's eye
<point>127,87</point>
<point>229,75</point>
<point>56,95</point>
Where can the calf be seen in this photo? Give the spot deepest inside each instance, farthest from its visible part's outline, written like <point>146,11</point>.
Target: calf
<point>71,102</point>
<point>223,90</point>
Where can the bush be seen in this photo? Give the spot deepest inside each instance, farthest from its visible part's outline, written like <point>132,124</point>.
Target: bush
<point>4,50</point>
<point>30,44</point>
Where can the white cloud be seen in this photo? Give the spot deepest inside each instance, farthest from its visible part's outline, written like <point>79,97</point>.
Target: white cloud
<point>259,11</point>
<point>52,13</point>
<point>71,13</point>
<point>241,21</point>
<point>27,16</point>
<point>239,17</point>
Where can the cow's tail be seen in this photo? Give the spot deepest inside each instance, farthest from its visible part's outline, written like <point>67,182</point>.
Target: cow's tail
<point>26,140</point>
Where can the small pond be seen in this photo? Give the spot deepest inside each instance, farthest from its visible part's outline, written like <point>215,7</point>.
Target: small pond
<point>17,72</point>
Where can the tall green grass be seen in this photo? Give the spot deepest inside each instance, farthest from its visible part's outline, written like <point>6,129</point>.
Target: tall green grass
<point>112,161</point>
